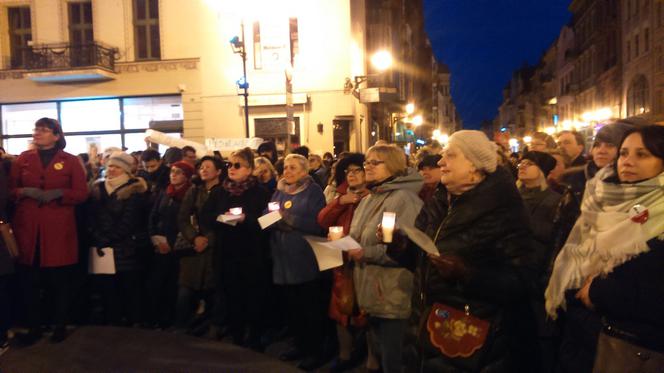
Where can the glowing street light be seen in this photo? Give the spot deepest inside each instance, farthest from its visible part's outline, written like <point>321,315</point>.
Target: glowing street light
<point>410,108</point>
<point>381,60</point>
<point>527,139</point>
<point>550,130</point>
<point>418,120</point>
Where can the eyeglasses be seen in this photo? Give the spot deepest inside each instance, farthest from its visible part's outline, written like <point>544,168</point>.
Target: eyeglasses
<point>373,163</point>
<point>176,171</point>
<point>42,130</point>
<point>351,171</point>
<point>236,165</point>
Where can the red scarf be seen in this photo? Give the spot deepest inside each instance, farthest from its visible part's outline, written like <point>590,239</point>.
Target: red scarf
<point>177,194</point>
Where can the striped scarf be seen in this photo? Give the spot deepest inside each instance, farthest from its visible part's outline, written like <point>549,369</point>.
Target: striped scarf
<point>605,236</point>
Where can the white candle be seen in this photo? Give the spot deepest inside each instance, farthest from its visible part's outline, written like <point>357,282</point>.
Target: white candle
<point>236,211</point>
<point>389,220</point>
<point>336,233</point>
<point>273,206</point>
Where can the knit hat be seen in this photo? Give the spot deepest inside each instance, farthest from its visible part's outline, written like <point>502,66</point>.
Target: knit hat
<point>430,160</point>
<point>544,161</point>
<point>477,148</point>
<point>122,160</point>
<point>612,133</point>
<point>186,168</point>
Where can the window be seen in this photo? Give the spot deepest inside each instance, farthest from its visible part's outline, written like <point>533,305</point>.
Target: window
<point>80,34</point>
<point>637,96</point>
<point>146,30</point>
<point>81,116</point>
<point>20,118</point>
<point>636,46</point>
<point>629,51</point>
<point>20,33</point>
<point>646,40</point>
<point>258,53</point>
<point>141,111</point>
<point>294,40</point>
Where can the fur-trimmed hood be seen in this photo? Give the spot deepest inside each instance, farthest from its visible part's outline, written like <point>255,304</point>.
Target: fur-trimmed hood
<point>135,185</point>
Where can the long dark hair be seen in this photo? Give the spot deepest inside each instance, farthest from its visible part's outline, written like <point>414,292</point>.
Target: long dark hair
<point>652,136</point>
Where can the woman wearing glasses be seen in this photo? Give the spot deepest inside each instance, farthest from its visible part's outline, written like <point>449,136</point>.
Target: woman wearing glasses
<point>46,184</point>
<point>295,269</point>
<point>384,287</point>
<point>349,175</point>
<point>239,254</point>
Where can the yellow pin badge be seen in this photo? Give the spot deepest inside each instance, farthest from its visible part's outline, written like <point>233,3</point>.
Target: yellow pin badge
<point>288,204</point>
<point>59,166</point>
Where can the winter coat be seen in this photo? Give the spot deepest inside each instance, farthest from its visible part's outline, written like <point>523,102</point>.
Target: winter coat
<point>242,242</point>
<point>52,224</point>
<point>487,228</point>
<point>293,259</point>
<point>541,206</point>
<point>116,221</point>
<point>164,217</point>
<point>6,262</point>
<point>196,270</point>
<point>336,214</point>
<point>383,287</point>
<point>629,299</point>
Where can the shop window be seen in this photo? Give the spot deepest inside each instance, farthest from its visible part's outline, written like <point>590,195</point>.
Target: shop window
<point>90,115</point>
<point>146,30</point>
<point>19,119</point>
<point>140,111</point>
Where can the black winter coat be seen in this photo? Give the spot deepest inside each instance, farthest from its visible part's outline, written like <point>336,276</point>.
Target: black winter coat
<point>630,299</point>
<point>164,217</point>
<point>6,262</point>
<point>487,228</point>
<point>116,221</point>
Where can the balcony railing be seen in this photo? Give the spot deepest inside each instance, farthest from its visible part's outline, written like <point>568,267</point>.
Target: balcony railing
<point>54,57</point>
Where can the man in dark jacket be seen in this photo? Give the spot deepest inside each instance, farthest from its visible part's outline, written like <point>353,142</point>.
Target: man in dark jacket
<point>154,171</point>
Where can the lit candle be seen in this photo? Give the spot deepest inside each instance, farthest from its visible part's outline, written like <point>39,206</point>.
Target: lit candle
<point>236,211</point>
<point>336,233</point>
<point>273,206</point>
<point>389,219</point>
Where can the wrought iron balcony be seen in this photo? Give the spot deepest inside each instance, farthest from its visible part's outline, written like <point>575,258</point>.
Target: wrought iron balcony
<point>58,57</point>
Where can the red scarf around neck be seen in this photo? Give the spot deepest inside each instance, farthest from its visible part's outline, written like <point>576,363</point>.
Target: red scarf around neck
<point>177,194</point>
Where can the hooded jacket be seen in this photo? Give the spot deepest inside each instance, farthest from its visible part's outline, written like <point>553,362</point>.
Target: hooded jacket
<point>383,287</point>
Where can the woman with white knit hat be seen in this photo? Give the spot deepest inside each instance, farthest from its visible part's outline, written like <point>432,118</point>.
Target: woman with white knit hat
<point>477,283</point>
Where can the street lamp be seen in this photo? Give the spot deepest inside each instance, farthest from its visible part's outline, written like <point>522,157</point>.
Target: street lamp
<point>381,61</point>
<point>239,47</point>
<point>410,108</point>
<point>417,120</point>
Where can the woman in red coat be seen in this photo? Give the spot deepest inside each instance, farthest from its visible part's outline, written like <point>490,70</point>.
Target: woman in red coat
<point>46,183</point>
<point>349,174</point>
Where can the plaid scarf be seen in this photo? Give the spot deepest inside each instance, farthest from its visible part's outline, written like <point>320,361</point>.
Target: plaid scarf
<point>237,188</point>
<point>605,236</point>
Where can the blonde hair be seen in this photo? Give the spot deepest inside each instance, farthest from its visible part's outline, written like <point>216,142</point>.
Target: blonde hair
<point>394,158</point>
<point>304,163</point>
<point>262,161</point>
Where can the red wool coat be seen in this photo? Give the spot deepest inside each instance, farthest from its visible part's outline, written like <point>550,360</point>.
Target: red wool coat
<point>53,222</point>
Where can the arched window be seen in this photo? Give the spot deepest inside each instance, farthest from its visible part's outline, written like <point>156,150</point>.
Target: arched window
<point>637,96</point>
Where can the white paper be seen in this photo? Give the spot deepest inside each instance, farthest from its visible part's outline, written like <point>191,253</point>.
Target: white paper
<point>157,240</point>
<point>346,243</point>
<point>326,256</point>
<point>101,265</point>
<point>229,219</point>
<point>421,239</point>
<point>269,219</point>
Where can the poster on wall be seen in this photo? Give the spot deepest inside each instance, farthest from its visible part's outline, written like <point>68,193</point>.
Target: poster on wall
<point>275,44</point>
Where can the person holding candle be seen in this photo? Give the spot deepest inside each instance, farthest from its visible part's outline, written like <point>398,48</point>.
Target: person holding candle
<point>239,254</point>
<point>295,269</point>
<point>196,279</point>
<point>383,286</point>
<point>486,262</point>
<point>163,227</point>
<point>338,215</point>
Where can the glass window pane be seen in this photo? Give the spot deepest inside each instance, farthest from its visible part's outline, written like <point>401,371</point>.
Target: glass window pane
<point>80,144</point>
<point>20,119</point>
<point>93,115</point>
<point>139,112</point>
<point>155,48</point>
<point>136,141</point>
<point>140,9</point>
<point>141,40</point>
<point>17,146</point>
<point>154,9</point>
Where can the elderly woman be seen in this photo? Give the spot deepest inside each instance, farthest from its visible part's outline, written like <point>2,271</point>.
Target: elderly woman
<point>383,287</point>
<point>239,252</point>
<point>479,226</point>
<point>294,264</point>
<point>46,183</point>
<point>608,276</point>
<point>196,279</point>
<point>339,212</point>
<point>115,220</point>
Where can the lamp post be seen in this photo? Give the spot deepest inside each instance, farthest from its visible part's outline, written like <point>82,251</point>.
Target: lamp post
<point>240,48</point>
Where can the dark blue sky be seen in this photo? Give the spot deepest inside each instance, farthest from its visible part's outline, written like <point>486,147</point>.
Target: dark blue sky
<point>483,41</point>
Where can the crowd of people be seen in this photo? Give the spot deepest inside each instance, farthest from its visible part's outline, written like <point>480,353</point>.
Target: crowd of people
<point>547,260</point>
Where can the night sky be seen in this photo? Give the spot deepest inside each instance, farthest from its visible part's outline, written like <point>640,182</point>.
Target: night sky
<point>484,41</point>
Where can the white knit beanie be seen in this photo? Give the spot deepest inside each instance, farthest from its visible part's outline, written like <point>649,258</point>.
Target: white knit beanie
<point>477,148</point>
<point>122,160</point>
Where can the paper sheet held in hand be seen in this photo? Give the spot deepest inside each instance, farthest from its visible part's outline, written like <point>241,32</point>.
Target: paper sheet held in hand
<point>101,265</point>
<point>229,219</point>
<point>328,253</point>
<point>269,219</point>
<point>421,239</point>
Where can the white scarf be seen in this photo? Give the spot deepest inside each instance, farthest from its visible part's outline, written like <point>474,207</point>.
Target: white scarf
<point>111,184</point>
<point>605,236</point>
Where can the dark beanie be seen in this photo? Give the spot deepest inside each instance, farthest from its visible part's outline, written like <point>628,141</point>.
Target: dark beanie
<point>544,161</point>
<point>356,159</point>
<point>612,133</point>
<point>430,160</point>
